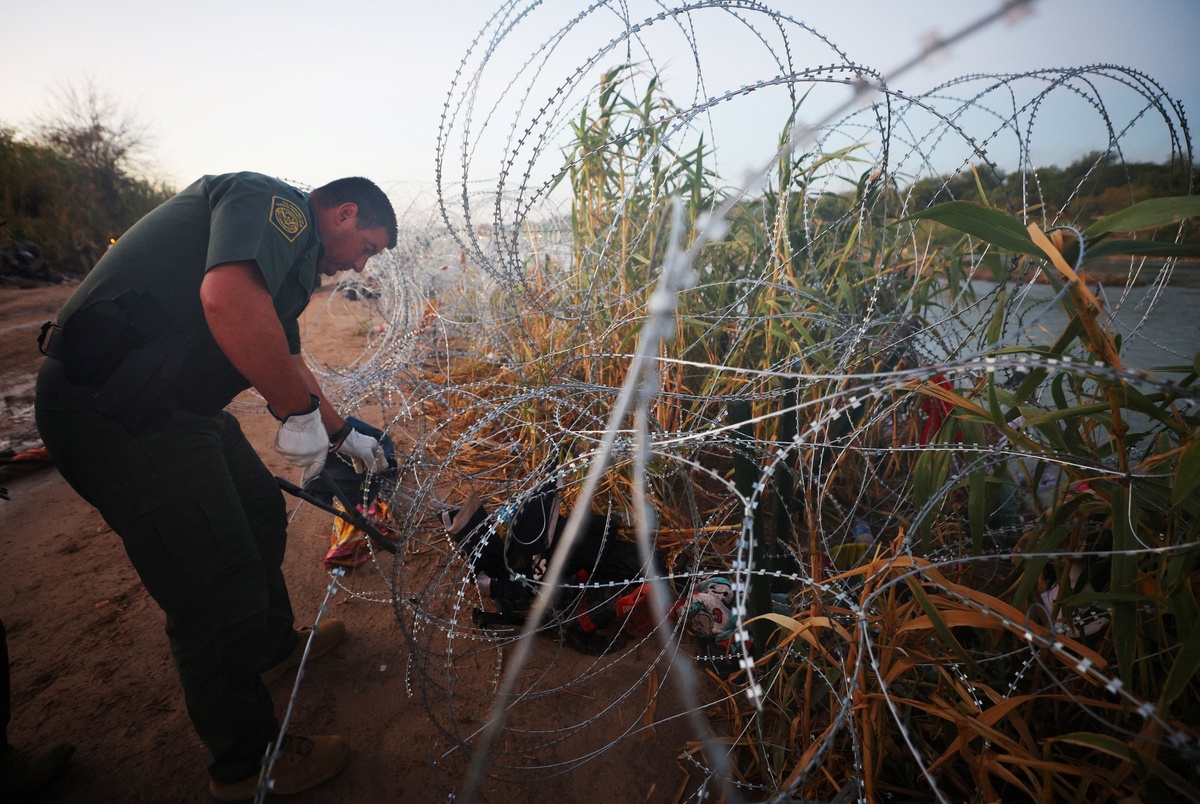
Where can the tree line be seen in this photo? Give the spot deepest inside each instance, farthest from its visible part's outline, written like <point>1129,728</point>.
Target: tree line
<point>74,182</point>
<point>1092,187</point>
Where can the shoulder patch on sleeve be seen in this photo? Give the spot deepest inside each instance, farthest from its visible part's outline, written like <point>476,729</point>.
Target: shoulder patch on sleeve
<point>287,218</point>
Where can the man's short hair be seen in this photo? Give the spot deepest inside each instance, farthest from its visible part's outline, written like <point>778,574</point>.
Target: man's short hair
<point>374,208</point>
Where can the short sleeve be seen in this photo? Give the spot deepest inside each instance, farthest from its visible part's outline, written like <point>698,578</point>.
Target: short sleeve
<point>253,220</point>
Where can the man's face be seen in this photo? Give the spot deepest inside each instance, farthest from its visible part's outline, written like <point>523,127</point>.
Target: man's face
<point>346,247</point>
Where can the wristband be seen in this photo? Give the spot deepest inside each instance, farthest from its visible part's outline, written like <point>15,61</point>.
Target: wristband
<point>336,439</point>
<point>314,403</point>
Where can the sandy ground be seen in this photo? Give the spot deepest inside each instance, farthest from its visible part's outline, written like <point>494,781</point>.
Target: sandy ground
<point>90,662</point>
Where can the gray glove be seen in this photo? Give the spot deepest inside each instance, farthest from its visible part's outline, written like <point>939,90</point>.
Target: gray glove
<point>303,441</point>
<point>364,452</point>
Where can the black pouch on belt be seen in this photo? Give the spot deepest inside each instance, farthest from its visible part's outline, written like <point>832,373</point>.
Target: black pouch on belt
<point>95,340</point>
<point>123,352</point>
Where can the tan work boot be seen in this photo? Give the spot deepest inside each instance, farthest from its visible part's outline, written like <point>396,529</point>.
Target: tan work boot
<point>303,763</point>
<point>329,634</point>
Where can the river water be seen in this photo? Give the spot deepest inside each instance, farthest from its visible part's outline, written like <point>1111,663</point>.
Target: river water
<point>1159,326</point>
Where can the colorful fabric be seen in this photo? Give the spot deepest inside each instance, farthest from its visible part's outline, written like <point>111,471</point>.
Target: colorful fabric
<point>706,611</point>
<point>348,545</point>
<point>635,614</point>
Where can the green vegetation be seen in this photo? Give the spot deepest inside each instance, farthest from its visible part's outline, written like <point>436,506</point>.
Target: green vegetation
<point>1092,187</point>
<point>72,185</point>
<point>982,636</point>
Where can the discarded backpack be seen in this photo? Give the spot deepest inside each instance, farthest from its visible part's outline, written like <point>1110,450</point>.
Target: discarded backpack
<point>508,556</point>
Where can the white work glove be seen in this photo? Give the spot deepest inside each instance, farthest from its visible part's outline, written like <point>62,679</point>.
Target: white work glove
<point>364,452</point>
<point>303,441</point>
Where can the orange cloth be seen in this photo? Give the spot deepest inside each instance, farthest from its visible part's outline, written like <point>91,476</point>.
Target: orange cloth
<point>348,545</point>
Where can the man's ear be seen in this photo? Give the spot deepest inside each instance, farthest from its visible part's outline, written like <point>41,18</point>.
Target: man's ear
<point>346,212</point>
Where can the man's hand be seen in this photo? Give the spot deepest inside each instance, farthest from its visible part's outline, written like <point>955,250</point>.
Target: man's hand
<point>363,451</point>
<point>303,441</point>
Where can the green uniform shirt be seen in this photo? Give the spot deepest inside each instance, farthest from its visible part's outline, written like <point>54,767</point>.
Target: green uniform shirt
<point>218,219</point>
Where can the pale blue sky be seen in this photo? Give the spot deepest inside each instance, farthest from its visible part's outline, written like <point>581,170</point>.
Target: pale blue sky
<point>314,90</point>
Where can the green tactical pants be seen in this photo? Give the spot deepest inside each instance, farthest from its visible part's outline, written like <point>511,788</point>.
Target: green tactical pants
<point>205,525</point>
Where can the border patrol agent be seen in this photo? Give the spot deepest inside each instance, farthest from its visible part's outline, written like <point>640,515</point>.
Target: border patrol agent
<point>195,303</point>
